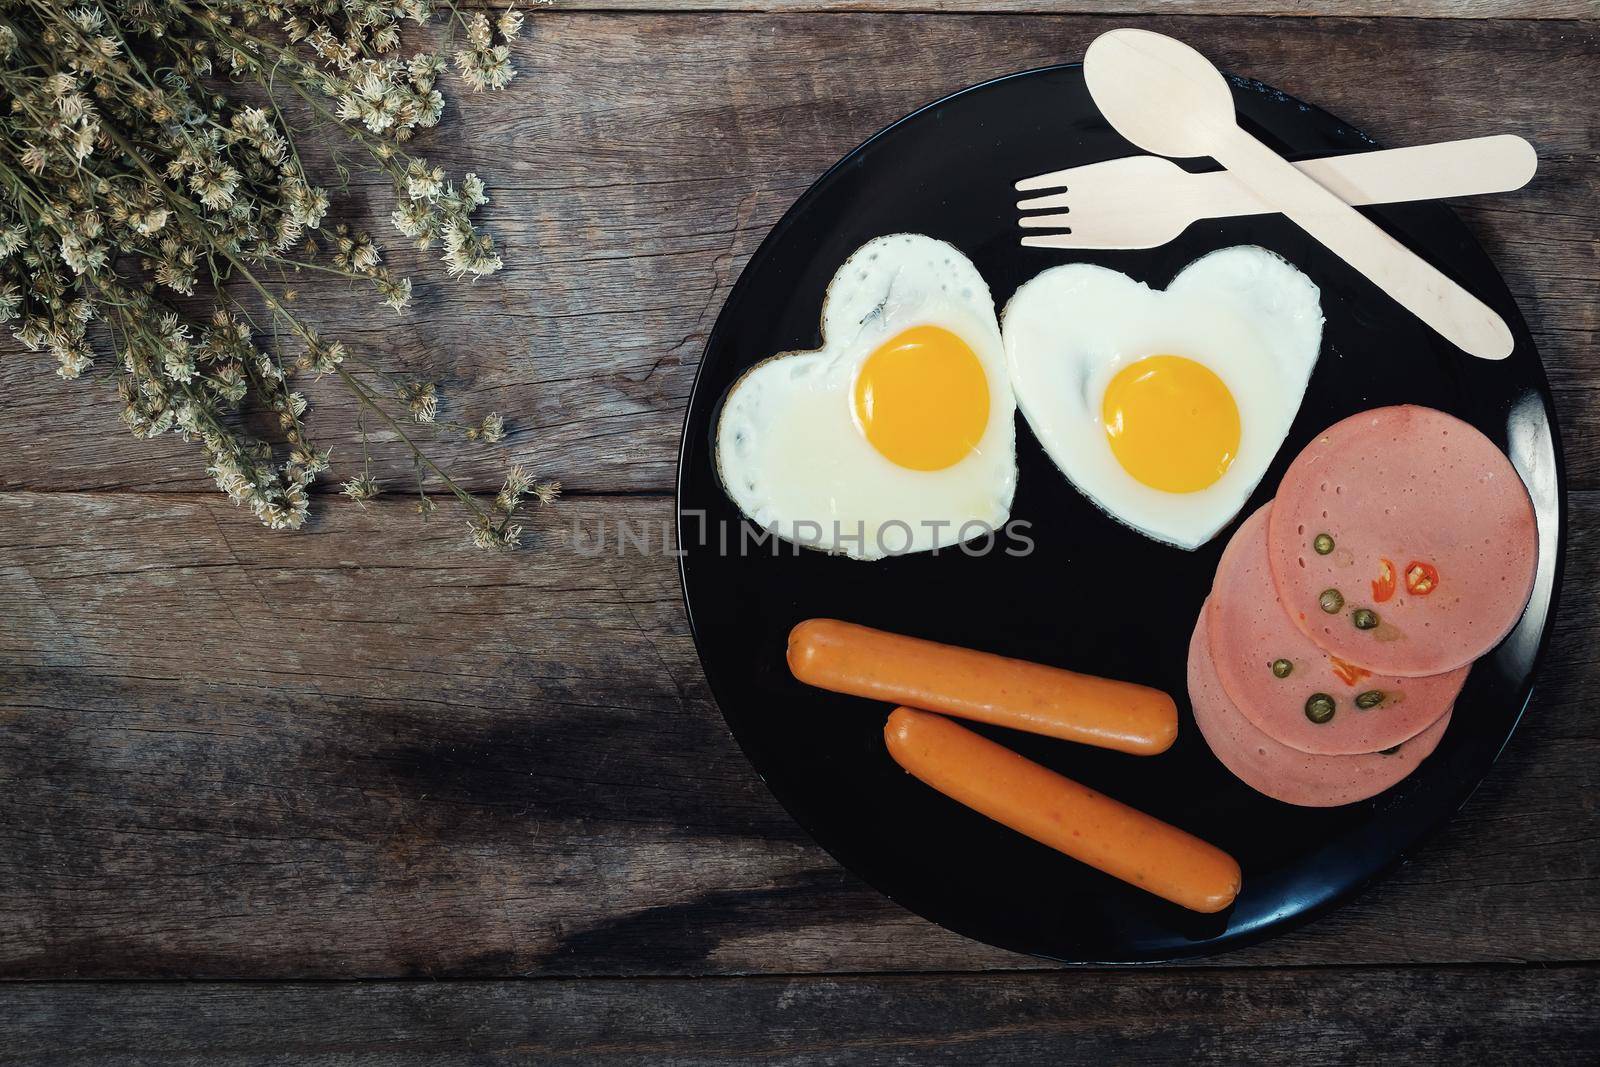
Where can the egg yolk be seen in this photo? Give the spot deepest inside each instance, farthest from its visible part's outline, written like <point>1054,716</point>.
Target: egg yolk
<point>1172,423</point>
<point>922,399</point>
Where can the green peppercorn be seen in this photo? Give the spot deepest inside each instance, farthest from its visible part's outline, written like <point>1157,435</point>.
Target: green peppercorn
<point>1364,618</point>
<point>1323,544</point>
<point>1319,709</point>
<point>1331,601</point>
<point>1282,668</point>
<point>1370,699</point>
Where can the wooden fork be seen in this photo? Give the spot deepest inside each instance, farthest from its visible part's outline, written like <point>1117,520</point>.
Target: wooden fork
<point>1145,201</point>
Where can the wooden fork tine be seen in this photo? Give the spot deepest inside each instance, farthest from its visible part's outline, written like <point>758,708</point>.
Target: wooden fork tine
<point>1051,240</point>
<point>1056,179</point>
<point>1044,203</point>
<point>1046,222</point>
<point>1086,231</point>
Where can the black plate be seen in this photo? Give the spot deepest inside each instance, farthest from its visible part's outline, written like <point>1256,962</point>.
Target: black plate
<point>1093,595</point>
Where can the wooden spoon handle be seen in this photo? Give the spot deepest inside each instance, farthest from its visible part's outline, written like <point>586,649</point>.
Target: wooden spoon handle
<point>1456,314</point>
<point>1494,164</point>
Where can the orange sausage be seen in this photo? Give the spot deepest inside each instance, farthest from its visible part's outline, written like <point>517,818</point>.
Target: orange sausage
<point>1033,800</point>
<point>863,662</point>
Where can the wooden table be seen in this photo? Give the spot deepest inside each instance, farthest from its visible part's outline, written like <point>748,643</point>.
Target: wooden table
<point>489,795</point>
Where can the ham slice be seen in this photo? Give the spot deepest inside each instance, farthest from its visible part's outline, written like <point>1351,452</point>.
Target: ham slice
<point>1250,630</point>
<point>1279,771</point>
<point>1407,485</point>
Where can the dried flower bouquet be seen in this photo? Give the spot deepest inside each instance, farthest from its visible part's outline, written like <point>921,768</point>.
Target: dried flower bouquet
<point>145,156</point>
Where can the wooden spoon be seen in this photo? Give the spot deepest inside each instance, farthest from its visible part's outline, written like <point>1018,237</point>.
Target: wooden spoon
<point>1168,99</point>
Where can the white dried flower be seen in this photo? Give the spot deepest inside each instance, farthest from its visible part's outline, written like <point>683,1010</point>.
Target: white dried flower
<point>322,356</point>
<point>517,484</point>
<point>299,505</point>
<point>468,251</point>
<point>424,68</point>
<point>423,182</point>
<point>312,459</point>
<point>188,418</point>
<point>230,382</point>
<point>230,479</point>
<point>361,489</point>
<point>421,399</point>
<point>215,183</point>
<point>87,19</point>
<point>12,238</point>
<point>175,265</point>
<point>82,255</point>
<point>284,509</point>
<point>484,64</point>
<point>355,251</point>
<point>308,205</point>
<point>486,533</point>
<point>74,107</point>
<point>33,158</point>
<point>430,108</point>
<point>414,219</point>
<point>149,222</point>
<point>178,364</point>
<point>396,292</point>
<point>74,358</point>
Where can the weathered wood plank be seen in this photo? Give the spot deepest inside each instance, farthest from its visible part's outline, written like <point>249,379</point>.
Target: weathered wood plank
<point>1310,1017</point>
<point>630,193</point>
<point>366,751</point>
<point>1450,9</point>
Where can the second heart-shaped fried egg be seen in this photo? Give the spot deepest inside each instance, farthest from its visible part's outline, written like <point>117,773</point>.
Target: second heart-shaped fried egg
<point>1165,407</point>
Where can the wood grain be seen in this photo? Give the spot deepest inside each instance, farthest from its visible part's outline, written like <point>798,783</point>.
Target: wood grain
<point>1126,9</point>
<point>629,195</point>
<point>1082,1017</point>
<point>366,751</point>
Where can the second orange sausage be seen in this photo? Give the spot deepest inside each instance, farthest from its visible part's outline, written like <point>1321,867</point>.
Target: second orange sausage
<point>1056,811</point>
<point>864,662</point>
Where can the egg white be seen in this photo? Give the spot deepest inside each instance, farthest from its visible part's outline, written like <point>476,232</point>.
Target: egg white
<point>789,453</point>
<point>1244,312</point>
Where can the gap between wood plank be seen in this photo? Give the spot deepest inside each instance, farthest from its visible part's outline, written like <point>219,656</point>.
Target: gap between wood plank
<point>1460,10</point>
<point>840,977</point>
<point>328,492</point>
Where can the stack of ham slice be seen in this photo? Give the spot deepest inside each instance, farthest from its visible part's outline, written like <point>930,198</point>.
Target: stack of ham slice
<point>1401,547</point>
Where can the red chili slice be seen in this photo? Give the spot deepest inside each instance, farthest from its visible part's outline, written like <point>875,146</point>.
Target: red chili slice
<point>1383,584</point>
<point>1348,673</point>
<point>1421,578</point>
